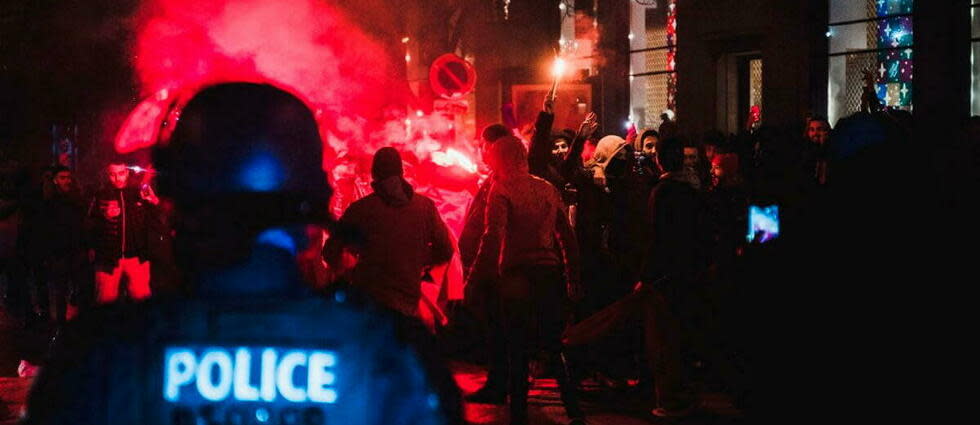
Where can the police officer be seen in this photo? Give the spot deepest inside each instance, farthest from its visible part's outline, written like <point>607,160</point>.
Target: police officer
<point>250,345</point>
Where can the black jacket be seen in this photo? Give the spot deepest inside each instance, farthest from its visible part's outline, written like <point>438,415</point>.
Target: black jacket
<point>105,235</point>
<point>540,160</point>
<point>672,248</point>
<point>55,227</point>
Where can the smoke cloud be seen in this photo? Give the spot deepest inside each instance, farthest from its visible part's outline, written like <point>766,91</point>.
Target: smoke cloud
<point>311,49</point>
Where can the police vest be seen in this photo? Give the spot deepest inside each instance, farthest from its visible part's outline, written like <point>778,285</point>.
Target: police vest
<point>258,362</point>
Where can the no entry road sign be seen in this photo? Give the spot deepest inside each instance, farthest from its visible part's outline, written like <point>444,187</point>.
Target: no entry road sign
<point>451,76</point>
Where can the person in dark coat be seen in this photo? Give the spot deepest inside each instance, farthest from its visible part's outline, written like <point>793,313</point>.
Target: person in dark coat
<point>541,162</point>
<point>671,261</point>
<point>397,234</point>
<point>727,207</point>
<point>814,164</point>
<point>116,227</point>
<point>556,158</point>
<point>55,245</point>
<point>668,127</point>
<point>481,296</point>
<point>529,248</point>
<point>238,234</point>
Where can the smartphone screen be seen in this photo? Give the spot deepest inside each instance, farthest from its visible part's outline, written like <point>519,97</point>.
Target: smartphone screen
<point>763,223</point>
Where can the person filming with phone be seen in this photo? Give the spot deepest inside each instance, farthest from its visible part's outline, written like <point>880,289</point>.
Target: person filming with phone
<point>116,228</point>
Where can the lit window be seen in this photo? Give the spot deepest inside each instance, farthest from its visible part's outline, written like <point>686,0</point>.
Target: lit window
<point>975,58</point>
<point>653,48</point>
<point>869,39</point>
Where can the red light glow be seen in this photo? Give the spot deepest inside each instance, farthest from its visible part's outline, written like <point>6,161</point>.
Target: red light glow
<point>452,157</point>
<point>309,48</point>
<point>142,126</point>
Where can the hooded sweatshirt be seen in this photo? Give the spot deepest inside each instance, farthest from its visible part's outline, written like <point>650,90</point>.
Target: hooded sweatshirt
<point>398,234</point>
<point>605,151</point>
<point>526,224</point>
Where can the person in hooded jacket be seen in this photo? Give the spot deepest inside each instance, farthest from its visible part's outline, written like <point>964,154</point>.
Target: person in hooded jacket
<point>55,244</point>
<point>395,234</point>
<point>615,224</point>
<point>556,158</point>
<point>481,297</point>
<point>540,159</point>
<point>529,249</point>
<point>609,227</point>
<point>469,238</point>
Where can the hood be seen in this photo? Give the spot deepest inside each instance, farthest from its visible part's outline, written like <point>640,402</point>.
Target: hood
<point>508,158</point>
<point>605,150</point>
<point>394,191</point>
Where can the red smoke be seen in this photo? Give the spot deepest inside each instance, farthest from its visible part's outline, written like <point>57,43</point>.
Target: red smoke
<point>303,45</point>
<point>310,49</point>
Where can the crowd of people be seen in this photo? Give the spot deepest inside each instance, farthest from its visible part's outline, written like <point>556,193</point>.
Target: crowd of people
<point>645,246</point>
<point>621,259</point>
<point>74,250</point>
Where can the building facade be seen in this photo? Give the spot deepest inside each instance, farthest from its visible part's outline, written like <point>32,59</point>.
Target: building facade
<point>710,62</point>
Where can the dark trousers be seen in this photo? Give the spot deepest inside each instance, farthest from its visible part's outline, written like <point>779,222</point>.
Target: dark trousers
<point>15,292</point>
<point>483,300</point>
<point>496,346</point>
<point>531,299</point>
<point>56,279</point>
<point>412,331</point>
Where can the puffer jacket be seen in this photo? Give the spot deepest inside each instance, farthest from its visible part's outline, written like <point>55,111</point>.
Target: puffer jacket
<point>123,236</point>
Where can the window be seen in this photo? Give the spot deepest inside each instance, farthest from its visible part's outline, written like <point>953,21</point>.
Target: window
<point>755,83</point>
<point>975,58</point>
<point>653,46</point>
<point>869,39</point>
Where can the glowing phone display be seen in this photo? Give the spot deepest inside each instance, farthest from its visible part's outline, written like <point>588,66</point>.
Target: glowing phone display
<point>763,223</point>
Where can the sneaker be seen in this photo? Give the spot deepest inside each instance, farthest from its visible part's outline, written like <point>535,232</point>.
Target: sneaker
<point>487,395</point>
